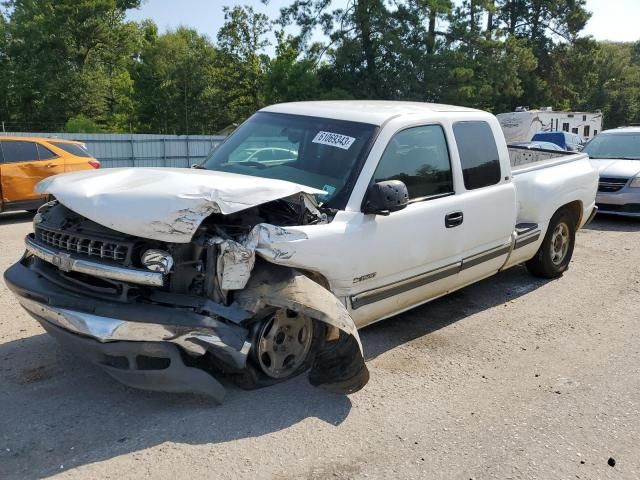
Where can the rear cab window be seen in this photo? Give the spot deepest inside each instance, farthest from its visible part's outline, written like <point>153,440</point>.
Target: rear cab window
<point>478,152</point>
<point>73,149</point>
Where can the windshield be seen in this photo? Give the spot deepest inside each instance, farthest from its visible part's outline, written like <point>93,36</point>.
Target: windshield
<point>614,145</point>
<point>317,152</point>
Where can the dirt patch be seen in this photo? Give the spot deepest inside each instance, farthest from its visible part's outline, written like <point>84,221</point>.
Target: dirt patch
<point>34,375</point>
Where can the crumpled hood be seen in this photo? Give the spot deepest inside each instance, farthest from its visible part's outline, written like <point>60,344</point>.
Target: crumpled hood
<point>166,204</point>
<point>617,168</point>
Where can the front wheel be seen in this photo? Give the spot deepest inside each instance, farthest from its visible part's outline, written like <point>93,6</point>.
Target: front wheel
<point>284,346</point>
<point>554,255</point>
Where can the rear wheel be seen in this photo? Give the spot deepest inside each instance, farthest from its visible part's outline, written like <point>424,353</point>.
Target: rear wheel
<point>284,346</point>
<point>554,255</point>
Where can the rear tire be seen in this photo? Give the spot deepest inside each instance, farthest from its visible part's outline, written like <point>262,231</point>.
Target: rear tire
<point>553,257</point>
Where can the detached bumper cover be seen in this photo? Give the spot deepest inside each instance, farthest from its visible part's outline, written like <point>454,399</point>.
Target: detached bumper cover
<point>144,365</point>
<point>131,329</point>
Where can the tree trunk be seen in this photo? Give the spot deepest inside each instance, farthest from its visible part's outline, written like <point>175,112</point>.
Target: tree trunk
<point>491,8</point>
<point>363,21</point>
<point>513,16</point>
<point>431,34</point>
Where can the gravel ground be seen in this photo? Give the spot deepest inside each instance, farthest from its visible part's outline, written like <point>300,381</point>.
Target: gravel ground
<point>510,378</point>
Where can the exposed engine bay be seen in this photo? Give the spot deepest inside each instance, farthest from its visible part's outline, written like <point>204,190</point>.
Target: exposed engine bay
<point>218,260</point>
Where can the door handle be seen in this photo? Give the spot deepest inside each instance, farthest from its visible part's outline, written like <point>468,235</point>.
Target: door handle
<point>453,219</point>
<point>50,165</point>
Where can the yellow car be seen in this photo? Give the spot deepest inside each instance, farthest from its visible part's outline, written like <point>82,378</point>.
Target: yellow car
<point>24,161</point>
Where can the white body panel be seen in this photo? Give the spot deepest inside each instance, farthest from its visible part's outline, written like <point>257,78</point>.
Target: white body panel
<point>522,126</point>
<point>377,265</point>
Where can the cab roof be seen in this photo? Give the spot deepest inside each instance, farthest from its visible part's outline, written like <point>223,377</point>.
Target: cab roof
<point>375,112</point>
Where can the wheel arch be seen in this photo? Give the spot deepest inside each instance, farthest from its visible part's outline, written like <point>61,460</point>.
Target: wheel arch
<point>575,208</point>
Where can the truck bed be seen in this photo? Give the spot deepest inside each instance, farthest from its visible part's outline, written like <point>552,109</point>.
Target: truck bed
<point>528,159</point>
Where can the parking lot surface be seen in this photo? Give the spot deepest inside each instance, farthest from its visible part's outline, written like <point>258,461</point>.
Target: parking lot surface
<point>513,377</point>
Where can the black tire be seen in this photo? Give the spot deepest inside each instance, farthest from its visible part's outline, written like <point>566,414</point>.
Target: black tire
<point>253,377</point>
<point>548,261</point>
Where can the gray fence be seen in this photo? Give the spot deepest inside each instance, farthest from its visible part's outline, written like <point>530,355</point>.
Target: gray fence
<point>125,150</point>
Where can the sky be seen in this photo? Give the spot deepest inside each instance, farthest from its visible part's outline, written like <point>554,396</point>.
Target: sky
<point>617,20</point>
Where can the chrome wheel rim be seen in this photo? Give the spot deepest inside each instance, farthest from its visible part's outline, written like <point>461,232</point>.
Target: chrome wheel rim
<point>283,343</point>
<point>559,243</point>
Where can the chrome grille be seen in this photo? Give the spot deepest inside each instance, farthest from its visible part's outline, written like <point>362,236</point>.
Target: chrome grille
<point>608,185</point>
<point>73,243</point>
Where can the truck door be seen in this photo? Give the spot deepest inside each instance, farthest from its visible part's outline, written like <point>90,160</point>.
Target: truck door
<point>25,164</point>
<point>413,254</point>
<point>488,197</point>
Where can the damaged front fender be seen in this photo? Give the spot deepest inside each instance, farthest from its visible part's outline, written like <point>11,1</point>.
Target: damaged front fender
<point>339,366</point>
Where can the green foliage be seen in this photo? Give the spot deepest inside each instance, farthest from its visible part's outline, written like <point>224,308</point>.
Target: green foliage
<point>82,124</point>
<point>79,65</point>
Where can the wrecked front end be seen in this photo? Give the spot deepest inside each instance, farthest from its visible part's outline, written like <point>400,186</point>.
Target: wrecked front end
<point>180,316</point>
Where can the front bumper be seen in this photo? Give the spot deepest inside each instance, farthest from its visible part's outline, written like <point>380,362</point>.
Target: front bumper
<point>624,202</point>
<point>144,365</point>
<point>103,328</point>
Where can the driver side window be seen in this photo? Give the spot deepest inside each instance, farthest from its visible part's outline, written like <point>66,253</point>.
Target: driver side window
<point>418,157</point>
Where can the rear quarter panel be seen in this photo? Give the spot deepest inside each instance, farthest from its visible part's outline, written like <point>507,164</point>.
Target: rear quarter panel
<point>74,164</point>
<point>542,190</point>
<point>71,163</point>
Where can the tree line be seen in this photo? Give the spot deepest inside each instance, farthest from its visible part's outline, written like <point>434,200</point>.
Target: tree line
<point>79,65</point>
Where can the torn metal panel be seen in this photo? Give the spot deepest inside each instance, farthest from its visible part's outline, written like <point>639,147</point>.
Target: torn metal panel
<point>273,242</point>
<point>166,204</point>
<point>339,366</point>
<point>234,264</point>
<point>236,260</point>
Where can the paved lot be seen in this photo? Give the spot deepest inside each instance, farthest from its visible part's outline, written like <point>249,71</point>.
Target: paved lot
<point>510,378</point>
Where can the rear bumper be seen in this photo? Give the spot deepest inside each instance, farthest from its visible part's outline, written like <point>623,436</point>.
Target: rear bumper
<point>101,330</point>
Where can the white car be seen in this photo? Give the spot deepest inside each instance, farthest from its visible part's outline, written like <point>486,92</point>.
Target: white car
<point>168,278</point>
<point>616,155</point>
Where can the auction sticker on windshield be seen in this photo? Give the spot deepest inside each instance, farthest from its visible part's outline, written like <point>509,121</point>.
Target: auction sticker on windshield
<point>334,140</point>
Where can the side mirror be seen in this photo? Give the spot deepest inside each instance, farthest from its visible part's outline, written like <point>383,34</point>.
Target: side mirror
<point>386,197</point>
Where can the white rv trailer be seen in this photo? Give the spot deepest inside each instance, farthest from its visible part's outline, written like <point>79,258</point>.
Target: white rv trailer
<point>522,125</point>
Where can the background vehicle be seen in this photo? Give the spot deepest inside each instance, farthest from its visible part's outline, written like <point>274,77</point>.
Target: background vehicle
<point>24,161</point>
<point>272,155</point>
<point>616,155</point>
<point>538,146</point>
<point>274,267</point>
<point>521,126</point>
<point>566,141</point>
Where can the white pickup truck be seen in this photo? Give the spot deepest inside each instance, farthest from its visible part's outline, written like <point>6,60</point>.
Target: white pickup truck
<point>310,221</point>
